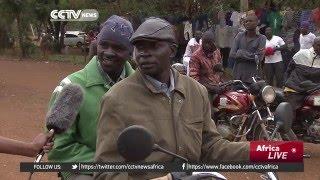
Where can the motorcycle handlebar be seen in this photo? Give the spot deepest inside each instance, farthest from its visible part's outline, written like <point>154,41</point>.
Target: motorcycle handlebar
<point>232,82</point>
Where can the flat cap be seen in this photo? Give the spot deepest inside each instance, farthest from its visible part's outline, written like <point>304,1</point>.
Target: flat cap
<point>154,29</point>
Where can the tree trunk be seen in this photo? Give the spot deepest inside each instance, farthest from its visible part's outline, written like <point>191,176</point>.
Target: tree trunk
<point>3,38</point>
<point>119,7</point>
<point>50,26</point>
<point>39,31</point>
<point>244,5</point>
<point>20,37</point>
<point>56,31</point>
<point>62,31</point>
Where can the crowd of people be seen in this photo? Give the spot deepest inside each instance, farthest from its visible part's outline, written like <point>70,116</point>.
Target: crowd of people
<point>286,32</point>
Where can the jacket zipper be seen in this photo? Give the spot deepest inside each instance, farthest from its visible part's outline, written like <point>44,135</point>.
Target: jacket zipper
<point>174,120</point>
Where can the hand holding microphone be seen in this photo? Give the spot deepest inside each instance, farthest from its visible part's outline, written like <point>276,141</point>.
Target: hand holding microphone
<point>42,141</point>
<point>63,113</point>
<point>30,149</point>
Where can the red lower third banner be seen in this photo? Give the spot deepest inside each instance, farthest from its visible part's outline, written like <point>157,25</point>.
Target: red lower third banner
<point>276,151</point>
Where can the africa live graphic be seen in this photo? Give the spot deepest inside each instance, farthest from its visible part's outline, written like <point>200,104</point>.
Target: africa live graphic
<point>277,151</point>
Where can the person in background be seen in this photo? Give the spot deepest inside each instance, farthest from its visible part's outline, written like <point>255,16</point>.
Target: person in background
<point>192,46</point>
<point>204,63</point>
<point>274,19</point>
<point>306,37</point>
<point>273,63</point>
<point>290,35</point>
<point>45,45</point>
<point>41,141</point>
<point>248,51</point>
<point>90,37</point>
<point>261,12</point>
<point>305,67</point>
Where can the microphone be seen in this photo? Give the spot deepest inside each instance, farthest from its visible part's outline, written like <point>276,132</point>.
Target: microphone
<point>135,143</point>
<point>64,111</point>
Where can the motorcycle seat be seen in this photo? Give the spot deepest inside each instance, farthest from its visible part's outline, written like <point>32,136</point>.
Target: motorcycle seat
<point>313,90</point>
<point>308,87</point>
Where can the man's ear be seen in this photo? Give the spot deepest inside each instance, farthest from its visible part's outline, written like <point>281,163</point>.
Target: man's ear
<point>174,49</point>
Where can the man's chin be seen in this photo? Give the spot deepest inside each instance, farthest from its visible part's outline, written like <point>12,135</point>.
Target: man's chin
<point>108,68</point>
<point>251,29</point>
<point>149,72</point>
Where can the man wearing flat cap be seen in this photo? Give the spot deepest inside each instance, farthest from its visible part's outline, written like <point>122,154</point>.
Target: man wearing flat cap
<point>110,66</point>
<point>173,107</point>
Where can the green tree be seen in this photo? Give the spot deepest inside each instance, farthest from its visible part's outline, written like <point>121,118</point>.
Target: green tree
<point>14,9</point>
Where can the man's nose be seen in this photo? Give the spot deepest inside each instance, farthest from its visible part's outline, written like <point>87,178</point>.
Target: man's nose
<point>108,53</point>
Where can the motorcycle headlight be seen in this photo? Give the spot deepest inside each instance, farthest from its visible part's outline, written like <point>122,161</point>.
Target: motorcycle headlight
<point>268,94</point>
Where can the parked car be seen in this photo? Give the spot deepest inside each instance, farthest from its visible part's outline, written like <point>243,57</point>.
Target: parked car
<point>74,38</point>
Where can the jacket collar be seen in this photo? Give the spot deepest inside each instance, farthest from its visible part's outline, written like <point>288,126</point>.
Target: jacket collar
<point>94,76</point>
<point>178,86</point>
<point>158,85</point>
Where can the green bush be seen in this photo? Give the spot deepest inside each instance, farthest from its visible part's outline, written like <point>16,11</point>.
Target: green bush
<point>29,47</point>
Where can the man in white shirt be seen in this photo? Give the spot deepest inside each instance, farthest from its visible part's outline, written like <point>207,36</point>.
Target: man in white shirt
<point>192,46</point>
<point>305,66</point>
<point>235,18</point>
<point>273,66</point>
<point>306,37</point>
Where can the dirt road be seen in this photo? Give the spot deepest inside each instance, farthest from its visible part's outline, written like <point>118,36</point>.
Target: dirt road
<point>25,88</point>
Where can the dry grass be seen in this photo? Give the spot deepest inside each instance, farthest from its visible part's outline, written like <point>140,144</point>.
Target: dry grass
<point>72,55</point>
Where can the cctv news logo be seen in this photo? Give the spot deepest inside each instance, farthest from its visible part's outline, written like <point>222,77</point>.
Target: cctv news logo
<point>74,15</point>
<point>276,151</point>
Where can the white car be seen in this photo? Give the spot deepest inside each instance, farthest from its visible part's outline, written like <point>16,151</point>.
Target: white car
<point>74,38</point>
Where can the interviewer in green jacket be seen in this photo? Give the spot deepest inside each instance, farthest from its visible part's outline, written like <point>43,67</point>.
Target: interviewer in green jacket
<point>78,144</point>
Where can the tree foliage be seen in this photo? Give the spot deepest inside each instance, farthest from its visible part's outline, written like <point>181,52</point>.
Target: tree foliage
<point>22,13</point>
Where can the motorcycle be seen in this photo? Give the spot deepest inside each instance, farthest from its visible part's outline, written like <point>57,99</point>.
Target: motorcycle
<point>137,151</point>
<point>307,123</point>
<point>245,112</point>
<point>133,151</point>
